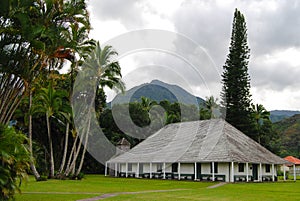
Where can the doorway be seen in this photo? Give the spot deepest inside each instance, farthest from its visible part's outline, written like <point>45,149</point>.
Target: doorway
<point>255,171</point>
<point>198,170</point>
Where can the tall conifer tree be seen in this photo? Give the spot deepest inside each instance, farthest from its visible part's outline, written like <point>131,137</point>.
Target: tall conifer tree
<point>236,97</point>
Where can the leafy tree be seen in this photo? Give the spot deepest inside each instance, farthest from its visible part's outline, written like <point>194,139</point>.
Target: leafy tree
<point>236,98</point>
<point>14,161</point>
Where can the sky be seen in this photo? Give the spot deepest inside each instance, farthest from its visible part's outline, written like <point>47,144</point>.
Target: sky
<point>186,42</point>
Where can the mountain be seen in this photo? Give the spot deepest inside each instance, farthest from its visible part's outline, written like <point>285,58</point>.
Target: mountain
<point>289,133</point>
<point>158,91</point>
<point>278,115</point>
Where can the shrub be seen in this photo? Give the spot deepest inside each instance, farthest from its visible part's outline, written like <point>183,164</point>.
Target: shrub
<point>14,161</point>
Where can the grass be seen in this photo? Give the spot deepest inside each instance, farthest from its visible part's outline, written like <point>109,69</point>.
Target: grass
<point>95,185</point>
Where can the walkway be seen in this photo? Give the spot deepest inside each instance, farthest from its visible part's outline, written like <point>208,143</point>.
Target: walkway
<point>101,197</point>
<point>217,185</point>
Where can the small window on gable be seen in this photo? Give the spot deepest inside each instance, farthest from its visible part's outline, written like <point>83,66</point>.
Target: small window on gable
<point>268,168</point>
<point>241,167</point>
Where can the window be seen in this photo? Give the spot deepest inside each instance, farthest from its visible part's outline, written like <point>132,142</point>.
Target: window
<point>268,168</point>
<point>129,167</point>
<point>159,167</point>
<point>241,167</point>
<point>175,167</point>
<point>215,168</point>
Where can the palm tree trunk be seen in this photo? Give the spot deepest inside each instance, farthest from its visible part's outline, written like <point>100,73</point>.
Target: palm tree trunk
<point>65,149</point>
<point>75,156</point>
<point>50,146</point>
<point>71,156</point>
<point>32,165</point>
<point>84,147</point>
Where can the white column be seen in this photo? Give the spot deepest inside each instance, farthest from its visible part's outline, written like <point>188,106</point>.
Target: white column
<point>232,171</point>
<point>105,171</point>
<point>247,172</point>
<point>164,167</point>
<point>116,169</point>
<point>260,172</point>
<point>294,167</point>
<point>126,170</point>
<point>137,170</point>
<point>273,173</point>
<point>195,168</point>
<point>150,170</point>
<point>213,170</point>
<point>284,172</point>
<point>178,171</point>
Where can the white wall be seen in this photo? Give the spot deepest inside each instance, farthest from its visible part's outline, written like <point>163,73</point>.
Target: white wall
<point>187,168</point>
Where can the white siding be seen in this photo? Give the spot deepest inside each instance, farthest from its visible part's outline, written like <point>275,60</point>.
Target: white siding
<point>223,169</point>
<point>187,168</point>
<point>134,167</point>
<point>205,168</point>
<point>236,169</point>
<point>146,167</point>
<point>168,167</point>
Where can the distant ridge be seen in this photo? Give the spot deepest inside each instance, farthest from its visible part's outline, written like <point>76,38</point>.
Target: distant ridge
<point>278,115</point>
<point>158,91</point>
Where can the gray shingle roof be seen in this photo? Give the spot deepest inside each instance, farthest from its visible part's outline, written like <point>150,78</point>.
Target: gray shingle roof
<point>199,141</point>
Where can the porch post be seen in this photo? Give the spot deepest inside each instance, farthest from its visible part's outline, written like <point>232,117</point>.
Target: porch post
<point>105,171</point>
<point>195,171</point>
<point>284,172</point>
<point>164,167</point>
<point>273,173</point>
<point>247,172</point>
<point>138,170</point>
<point>260,172</point>
<point>213,170</point>
<point>150,170</point>
<point>126,170</point>
<point>178,170</point>
<point>232,171</point>
<point>116,169</point>
<point>294,167</point>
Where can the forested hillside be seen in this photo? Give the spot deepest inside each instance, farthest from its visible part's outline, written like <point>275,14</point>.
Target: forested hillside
<point>289,135</point>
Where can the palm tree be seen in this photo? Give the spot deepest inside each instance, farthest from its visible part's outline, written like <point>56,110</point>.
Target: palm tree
<point>259,114</point>
<point>50,102</point>
<point>100,69</point>
<point>147,103</point>
<point>212,107</point>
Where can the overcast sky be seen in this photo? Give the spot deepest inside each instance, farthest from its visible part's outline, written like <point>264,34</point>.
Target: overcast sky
<point>273,37</point>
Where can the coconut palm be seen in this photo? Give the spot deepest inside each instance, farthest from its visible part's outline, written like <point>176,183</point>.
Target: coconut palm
<point>99,69</point>
<point>50,102</point>
<point>259,114</point>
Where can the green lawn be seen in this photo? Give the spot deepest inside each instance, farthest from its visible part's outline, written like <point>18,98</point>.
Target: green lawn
<point>95,185</point>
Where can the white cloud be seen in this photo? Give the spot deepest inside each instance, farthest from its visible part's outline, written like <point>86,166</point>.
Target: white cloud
<point>273,36</point>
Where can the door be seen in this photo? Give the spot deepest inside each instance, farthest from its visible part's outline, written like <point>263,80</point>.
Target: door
<point>255,171</point>
<point>198,168</point>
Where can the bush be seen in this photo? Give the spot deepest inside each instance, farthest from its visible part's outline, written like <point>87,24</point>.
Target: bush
<point>14,161</point>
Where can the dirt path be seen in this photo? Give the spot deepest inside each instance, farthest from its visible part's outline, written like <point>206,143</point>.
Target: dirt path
<point>101,197</point>
<point>217,185</point>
